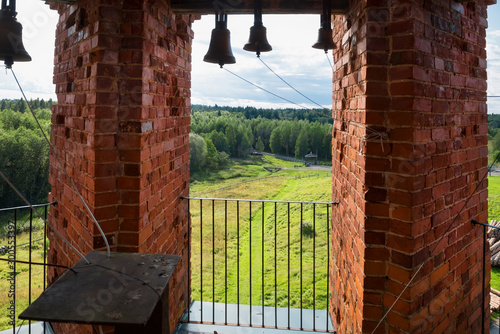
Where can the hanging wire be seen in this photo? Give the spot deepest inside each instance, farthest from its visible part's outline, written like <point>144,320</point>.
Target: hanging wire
<point>40,215</point>
<point>269,92</point>
<point>279,77</point>
<point>372,134</point>
<point>65,173</point>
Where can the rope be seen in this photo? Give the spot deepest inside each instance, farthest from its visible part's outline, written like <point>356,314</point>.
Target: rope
<point>267,91</point>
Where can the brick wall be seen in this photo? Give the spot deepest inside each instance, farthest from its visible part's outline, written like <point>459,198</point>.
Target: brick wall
<point>408,157</point>
<point>121,126</point>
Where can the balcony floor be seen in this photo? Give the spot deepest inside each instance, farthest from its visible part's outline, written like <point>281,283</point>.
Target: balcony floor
<point>269,319</point>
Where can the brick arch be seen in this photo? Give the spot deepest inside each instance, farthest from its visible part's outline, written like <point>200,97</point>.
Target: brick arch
<point>121,126</point>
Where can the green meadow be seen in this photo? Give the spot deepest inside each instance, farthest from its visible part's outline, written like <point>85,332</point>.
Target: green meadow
<point>262,245</point>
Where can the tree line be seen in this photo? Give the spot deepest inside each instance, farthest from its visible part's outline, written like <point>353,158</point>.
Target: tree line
<point>21,105</point>
<point>217,135</point>
<point>311,115</point>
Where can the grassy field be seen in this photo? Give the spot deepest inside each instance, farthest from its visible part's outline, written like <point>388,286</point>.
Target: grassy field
<point>23,273</point>
<point>245,179</point>
<point>494,214</point>
<point>244,244</point>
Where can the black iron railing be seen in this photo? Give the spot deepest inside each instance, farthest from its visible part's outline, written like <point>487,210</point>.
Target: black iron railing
<point>260,263</point>
<point>23,256</point>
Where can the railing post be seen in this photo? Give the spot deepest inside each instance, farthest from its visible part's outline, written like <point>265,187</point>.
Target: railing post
<point>485,240</point>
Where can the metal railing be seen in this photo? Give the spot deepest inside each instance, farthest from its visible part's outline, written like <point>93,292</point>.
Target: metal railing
<point>26,275</point>
<point>260,263</point>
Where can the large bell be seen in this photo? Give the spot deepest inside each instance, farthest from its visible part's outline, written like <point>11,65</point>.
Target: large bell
<point>11,41</point>
<point>325,39</point>
<point>219,51</point>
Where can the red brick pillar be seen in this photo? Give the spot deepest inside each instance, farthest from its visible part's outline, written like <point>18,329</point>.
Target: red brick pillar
<point>408,157</point>
<point>121,127</point>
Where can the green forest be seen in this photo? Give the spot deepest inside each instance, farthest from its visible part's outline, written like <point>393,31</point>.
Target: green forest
<point>220,133</point>
<point>24,153</point>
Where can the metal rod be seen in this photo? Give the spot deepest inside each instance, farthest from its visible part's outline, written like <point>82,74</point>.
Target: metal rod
<point>15,270</point>
<point>27,206</point>
<point>275,266</point>
<point>483,224</point>
<point>301,276</point>
<point>250,259</point>
<point>314,267</point>
<point>44,255</point>
<point>255,200</point>
<point>30,258</point>
<point>262,227</point>
<point>213,261</point>
<point>225,261</point>
<point>238,262</point>
<point>45,251</point>
<point>485,240</point>
<point>288,265</point>
<point>189,262</point>
<point>201,259</point>
<point>328,262</point>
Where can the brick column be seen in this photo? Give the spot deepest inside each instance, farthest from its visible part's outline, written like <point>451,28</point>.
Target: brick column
<point>410,85</point>
<point>121,127</point>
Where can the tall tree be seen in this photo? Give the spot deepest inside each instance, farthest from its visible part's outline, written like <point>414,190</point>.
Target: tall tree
<point>302,144</point>
<point>275,141</point>
<point>198,152</point>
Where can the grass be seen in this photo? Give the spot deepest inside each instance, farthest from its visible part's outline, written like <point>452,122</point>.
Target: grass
<point>23,274</point>
<point>245,179</point>
<point>244,245</point>
<point>494,198</point>
<point>494,214</point>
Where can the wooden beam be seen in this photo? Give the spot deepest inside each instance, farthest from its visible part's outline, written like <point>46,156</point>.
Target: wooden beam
<point>247,6</point>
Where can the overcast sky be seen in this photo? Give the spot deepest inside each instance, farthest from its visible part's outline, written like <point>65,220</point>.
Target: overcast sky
<point>293,58</point>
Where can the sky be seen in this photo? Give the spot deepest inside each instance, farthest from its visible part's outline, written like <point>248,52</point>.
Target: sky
<point>306,69</point>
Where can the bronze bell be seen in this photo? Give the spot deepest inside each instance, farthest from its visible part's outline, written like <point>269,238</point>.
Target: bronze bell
<point>325,33</point>
<point>258,33</point>
<point>325,39</point>
<point>11,41</point>
<point>219,51</point>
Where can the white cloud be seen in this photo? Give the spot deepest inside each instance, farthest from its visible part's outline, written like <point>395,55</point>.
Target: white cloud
<point>292,58</point>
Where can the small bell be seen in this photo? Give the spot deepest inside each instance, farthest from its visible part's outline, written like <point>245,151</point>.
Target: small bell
<point>11,41</point>
<point>219,51</point>
<point>258,40</point>
<point>325,33</point>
